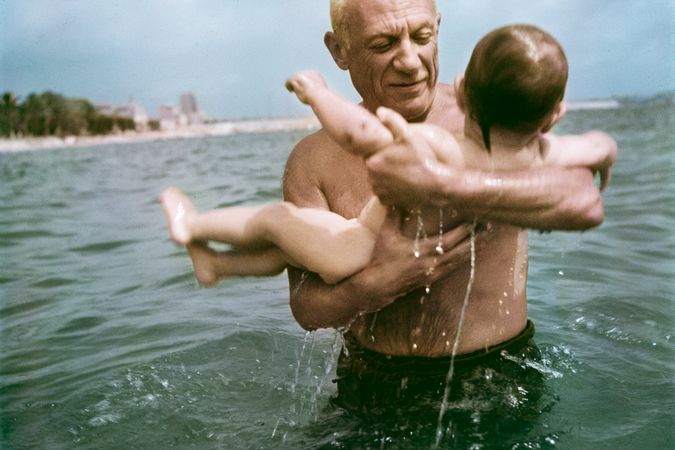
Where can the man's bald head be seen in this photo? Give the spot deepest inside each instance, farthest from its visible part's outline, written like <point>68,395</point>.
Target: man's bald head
<point>339,18</point>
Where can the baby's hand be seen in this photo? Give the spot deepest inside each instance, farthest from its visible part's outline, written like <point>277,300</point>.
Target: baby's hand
<point>303,83</point>
<point>595,150</point>
<point>607,157</point>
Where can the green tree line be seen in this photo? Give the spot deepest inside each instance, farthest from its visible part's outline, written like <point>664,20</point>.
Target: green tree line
<point>51,114</point>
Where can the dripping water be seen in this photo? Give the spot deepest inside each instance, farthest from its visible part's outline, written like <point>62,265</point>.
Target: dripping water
<point>372,326</point>
<point>439,246</point>
<point>451,370</point>
<point>419,234</point>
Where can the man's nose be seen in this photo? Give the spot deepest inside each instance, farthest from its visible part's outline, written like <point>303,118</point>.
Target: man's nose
<point>407,59</point>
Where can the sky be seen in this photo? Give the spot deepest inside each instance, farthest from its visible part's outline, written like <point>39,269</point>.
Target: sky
<point>234,55</point>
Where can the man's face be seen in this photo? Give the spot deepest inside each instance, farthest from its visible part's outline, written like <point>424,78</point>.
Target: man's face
<point>393,54</point>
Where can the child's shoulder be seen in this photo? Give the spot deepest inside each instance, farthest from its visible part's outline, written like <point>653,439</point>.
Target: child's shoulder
<point>444,144</point>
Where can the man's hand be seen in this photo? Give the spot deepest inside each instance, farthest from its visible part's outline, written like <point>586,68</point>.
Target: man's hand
<point>392,272</point>
<point>395,270</point>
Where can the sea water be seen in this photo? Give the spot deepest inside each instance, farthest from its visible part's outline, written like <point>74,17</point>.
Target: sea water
<point>106,341</point>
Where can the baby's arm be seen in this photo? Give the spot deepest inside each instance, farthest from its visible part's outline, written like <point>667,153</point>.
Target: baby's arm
<point>353,127</point>
<point>595,150</point>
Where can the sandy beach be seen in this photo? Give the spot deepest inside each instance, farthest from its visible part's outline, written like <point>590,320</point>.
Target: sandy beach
<point>189,132</point>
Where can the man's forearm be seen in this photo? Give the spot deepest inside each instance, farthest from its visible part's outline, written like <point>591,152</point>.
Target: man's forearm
<point>544,198</point>
<point>316,304</point>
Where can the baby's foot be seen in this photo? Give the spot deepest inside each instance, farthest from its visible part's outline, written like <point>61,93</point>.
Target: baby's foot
<point>203,259</point>
<point>178,211</point>
<point>304,83</point>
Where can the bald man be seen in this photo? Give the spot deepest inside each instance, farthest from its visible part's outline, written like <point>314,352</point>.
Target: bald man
<point>402,311</point>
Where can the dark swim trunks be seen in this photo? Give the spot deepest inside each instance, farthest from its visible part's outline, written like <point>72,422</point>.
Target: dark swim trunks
<point>368,381</point>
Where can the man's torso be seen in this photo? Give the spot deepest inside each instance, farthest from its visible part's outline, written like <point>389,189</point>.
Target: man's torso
<point>422,323</point>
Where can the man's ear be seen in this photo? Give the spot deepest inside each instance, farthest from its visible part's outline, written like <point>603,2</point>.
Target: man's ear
<point>336,49</point>
<point>557,116</point>
<point>459,92</point>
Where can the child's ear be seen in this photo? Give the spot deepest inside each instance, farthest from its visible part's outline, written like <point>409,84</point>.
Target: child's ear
<point>336,49</point>
<point>557,116</point>
<point>459,92</point>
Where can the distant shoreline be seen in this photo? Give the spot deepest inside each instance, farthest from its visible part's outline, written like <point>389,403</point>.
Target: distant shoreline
<point>189,132</point>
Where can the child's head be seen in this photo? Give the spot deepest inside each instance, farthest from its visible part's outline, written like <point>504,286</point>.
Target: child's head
<point>515,80</point>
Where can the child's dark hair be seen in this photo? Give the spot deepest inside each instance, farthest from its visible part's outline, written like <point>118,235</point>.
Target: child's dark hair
<point>515,78</point>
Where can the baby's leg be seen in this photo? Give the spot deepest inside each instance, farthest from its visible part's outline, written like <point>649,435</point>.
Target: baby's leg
<point>211,266</point>
<point>316,239</point>
<point>243,226</point>
<point>350,125</point>
<point>320,240</point>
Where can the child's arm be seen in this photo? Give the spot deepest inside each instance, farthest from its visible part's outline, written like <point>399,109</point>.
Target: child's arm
<point>353,127</point>
<point>595,150</point>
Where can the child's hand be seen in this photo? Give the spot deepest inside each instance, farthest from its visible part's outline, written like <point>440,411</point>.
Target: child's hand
<point>302,83</point>
<point>607,147</point>
<point>595,150</point>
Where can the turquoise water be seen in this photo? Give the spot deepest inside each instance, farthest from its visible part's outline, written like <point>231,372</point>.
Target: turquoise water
<point>107,342</point>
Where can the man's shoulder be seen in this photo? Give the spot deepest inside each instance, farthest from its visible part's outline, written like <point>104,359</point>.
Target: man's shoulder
<point>318,153</point>
<point>314,160</point>
<point>312,149</point>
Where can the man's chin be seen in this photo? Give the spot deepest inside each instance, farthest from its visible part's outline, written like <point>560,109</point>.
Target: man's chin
<point>413,108</point>
<point>412,111</point>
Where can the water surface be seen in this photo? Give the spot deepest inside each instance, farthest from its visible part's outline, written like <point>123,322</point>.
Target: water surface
<point>107,341</point>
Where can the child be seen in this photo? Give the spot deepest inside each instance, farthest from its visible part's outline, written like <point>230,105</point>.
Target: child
<point>511,94</point>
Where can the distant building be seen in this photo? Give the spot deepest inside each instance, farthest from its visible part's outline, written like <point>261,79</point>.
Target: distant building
<point>185,114</point>
<point>131,110</point>
<point>189,109</point>
<point>168,117</point>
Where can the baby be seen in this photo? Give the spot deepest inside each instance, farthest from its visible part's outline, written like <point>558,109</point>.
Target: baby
<point>512,93</point>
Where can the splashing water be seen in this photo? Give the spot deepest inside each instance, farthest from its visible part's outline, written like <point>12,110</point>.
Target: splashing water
<point>297,366</point>
<point>451,370</point>
<point>330,362</point>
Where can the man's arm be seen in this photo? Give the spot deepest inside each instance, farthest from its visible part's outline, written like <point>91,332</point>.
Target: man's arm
<point>542,198</point>
<point>392,272</point>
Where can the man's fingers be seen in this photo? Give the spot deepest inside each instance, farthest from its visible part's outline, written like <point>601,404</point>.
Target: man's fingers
<point>451,238</point>
<point>394,122</point>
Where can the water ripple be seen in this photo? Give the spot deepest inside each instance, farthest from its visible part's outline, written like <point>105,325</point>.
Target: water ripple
<point>102,247</point>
